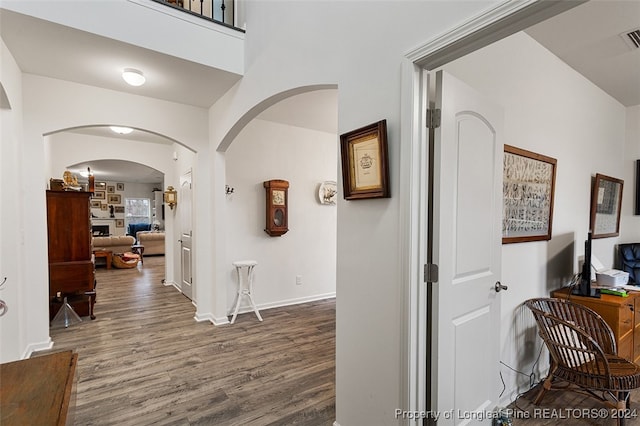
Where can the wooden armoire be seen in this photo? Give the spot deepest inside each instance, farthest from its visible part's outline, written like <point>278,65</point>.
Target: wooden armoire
<point>71,266</point>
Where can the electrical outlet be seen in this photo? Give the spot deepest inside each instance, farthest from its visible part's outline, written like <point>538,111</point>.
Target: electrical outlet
<point>298,279</point>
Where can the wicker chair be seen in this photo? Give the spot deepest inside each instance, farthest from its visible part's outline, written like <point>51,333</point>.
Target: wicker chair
<point>583,352</point>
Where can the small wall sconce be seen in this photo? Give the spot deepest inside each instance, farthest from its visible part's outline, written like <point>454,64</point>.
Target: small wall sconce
<point>228,190</point>
<point>171,196</point>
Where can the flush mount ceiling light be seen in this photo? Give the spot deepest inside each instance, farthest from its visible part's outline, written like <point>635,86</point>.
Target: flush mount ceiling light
<point>121,130</point>
<point>133,77</point>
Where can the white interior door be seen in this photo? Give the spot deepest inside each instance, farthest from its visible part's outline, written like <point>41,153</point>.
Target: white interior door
<point>467,249</point>
<point>186,246</point>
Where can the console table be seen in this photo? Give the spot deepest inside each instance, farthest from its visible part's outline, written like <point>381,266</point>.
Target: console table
<point>39,390</point>
<point>621,313</point>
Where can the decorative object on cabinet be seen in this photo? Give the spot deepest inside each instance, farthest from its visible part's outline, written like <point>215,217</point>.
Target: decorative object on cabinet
<point>70,181</point>
<point>327,193</point>
<point>71,267</point>
<point>606,203</point>
<point>529,186</point>
<point>56,184</point>
<point>583,352</point>
<point>171,197</point>
<point>365,166</point>
<point>277,200</point>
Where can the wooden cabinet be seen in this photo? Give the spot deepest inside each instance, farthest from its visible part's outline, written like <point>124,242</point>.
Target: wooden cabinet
<point>39,390</point>
<point>621,313</point>
<point>71,266</point>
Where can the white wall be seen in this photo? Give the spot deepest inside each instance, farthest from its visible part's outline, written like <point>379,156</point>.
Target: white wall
<point>52,105</point>
<point>358,47</point>
<point>14,325</point>
<point>630,224</point>
<point>551,110</point>
<point>266,150</point>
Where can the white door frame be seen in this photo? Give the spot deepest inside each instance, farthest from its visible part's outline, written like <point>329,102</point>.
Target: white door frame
<point>500,21</point>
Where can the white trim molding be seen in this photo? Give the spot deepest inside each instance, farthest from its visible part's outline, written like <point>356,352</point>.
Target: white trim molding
<point>35,347</point>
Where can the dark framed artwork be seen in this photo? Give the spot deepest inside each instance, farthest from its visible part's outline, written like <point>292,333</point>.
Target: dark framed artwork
<point>606,203</point>
<point>111,189</point>
<point>365,164</point>
<point>119,223</point>
<point>528,192</point>
<point>100,195</point>
<point>120,186</point>
<point>115,198</point>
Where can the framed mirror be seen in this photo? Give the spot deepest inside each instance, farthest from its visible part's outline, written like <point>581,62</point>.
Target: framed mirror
<point>606,202</point>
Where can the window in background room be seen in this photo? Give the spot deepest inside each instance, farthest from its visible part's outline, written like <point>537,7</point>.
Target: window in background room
<point>137,210</point>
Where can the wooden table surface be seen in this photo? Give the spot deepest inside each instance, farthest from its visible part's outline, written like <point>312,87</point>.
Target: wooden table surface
<point>38,391</point>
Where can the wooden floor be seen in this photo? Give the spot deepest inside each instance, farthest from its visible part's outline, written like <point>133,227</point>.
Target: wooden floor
<point>145,360</point>
<point>569,408</point>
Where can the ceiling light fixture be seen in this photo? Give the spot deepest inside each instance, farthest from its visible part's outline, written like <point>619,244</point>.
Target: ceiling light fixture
<point>121,130</point>
<point>133,77</point>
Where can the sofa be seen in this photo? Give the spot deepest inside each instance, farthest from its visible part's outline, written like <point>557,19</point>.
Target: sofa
<point>115,243</point>
<point>629,261</point>
<point>153,242</point>
<point>134,228</point>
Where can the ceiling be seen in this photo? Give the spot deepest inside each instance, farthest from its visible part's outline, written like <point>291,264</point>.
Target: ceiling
<point>586,37</point>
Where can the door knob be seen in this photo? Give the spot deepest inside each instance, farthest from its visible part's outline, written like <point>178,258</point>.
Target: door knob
<point>499,287</point>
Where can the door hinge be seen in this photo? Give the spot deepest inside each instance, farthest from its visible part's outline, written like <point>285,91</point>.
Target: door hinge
<point>433,118</point>
<point>430,273</point>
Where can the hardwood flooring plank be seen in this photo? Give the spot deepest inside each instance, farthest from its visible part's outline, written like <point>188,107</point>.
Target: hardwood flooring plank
<point>145,360</point>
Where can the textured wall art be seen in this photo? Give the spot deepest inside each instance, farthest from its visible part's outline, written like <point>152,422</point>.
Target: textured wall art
<point>528,188</point>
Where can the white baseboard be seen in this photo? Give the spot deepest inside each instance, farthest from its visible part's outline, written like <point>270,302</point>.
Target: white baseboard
<point>287,302</point>
<point>336,424</point>
<point>35,347</point>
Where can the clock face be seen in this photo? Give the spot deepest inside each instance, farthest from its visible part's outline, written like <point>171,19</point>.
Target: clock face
<point>277,196</point>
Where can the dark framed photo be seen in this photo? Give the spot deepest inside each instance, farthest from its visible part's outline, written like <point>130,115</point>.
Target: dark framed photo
<point>95,204</point>
<point>365,164</point>
<point>100,195</point>
<point>114,199</point>
<point>606,203</point>
<point>100,186</point>
<point>119,209</point>
<point>119,223</point>
<point>120,186</point>
<point>103,206</point>
<point>528,189</point>
<point>111,189</point>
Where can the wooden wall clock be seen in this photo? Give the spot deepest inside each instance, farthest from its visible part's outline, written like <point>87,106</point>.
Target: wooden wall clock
<point>277,207</point>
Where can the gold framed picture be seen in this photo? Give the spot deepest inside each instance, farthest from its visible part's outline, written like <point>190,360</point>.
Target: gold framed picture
<point>114,199</point>
<point>365,166</point>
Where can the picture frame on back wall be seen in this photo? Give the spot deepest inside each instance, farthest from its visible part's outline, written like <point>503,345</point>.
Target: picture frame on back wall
<point>365,164</point>
<point>606,204</point>
<point>528,193</point>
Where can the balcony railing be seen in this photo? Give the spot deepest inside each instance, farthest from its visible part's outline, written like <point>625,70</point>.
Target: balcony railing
<point>221,12</point>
